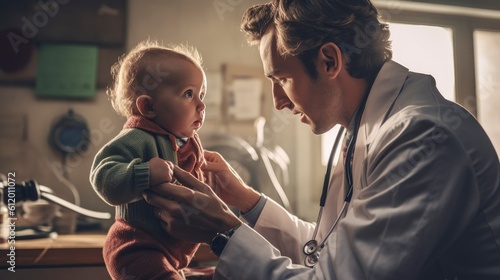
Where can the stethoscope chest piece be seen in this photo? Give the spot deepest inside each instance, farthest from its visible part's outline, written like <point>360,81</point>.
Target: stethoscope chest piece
<point>311,260</point>
<point>311,251</point>
<point>310,247</point>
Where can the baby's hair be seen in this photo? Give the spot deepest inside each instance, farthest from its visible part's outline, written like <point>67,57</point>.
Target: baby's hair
<point>132,70</point>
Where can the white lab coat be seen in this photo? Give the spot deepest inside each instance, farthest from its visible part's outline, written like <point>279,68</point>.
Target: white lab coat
<point>426,201</point>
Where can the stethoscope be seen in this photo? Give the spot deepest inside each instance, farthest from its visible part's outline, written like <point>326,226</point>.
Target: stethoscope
<point>312,248</point>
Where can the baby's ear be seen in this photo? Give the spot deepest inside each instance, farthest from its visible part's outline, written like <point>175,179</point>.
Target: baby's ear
<point>145,105</point>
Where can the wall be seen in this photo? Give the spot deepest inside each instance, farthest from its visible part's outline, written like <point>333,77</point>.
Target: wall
<point>36,158</point>
<point>212,26</point>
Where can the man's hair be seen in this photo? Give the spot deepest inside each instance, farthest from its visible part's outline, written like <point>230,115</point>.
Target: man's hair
<point>256,20</point>
<point>303,26</point>
<point>132,73</point>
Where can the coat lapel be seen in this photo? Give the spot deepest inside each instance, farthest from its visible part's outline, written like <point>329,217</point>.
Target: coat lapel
<point>383,94</point>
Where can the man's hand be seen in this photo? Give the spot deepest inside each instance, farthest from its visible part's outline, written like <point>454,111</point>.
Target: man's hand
<point>227,184</point>
<point>193,213</point>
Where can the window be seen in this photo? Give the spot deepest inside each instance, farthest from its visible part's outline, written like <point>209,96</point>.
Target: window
<point>488,82</point>
<point>426,49</point>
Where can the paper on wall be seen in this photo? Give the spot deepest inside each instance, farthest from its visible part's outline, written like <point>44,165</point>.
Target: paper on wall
<point>245,99</point>
<point>213,98</point>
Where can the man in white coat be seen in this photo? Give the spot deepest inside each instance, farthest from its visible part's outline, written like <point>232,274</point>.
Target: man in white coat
<point>425,177</point>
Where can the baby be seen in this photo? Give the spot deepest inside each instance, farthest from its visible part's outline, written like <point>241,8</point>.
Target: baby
<point>160,90</point>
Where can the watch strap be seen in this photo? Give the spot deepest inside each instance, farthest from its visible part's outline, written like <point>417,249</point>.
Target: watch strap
<point>220,240</point>
<point>230,232</point>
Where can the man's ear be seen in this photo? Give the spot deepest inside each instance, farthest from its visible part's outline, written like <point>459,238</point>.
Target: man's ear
<point>330,60</point>
<point>145,105</point>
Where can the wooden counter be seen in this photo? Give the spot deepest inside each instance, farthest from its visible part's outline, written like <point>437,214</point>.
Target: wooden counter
<point>81,249</point>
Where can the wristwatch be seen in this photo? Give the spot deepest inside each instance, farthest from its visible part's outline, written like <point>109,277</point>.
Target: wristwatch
<point>220,240</point>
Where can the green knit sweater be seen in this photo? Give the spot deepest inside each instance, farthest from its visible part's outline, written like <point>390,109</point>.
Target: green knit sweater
<point>120,174</point>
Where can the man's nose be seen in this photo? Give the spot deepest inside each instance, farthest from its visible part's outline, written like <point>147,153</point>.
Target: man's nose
<point>281,100</point>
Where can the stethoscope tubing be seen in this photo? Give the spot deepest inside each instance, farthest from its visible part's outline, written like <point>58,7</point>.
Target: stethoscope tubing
<point>332,228</point>
<point>326,180</point>
<point>312,249</point>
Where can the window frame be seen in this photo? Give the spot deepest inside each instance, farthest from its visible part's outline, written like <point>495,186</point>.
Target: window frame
<point>463,44</point>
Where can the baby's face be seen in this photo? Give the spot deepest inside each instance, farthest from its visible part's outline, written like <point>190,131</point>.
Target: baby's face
<point>179,104</point>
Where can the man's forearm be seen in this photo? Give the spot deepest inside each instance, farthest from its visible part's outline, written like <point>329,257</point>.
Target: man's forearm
<point>248,200</point>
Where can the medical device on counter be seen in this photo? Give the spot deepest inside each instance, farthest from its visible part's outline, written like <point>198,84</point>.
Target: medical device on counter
<point>33,208</point>
<point>32,191</point>
<point>37,208</point>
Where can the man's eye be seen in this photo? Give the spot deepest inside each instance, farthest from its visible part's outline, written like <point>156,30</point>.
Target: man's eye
<point>202,96</point>
<point>280,81</point>
<point>188,94</point>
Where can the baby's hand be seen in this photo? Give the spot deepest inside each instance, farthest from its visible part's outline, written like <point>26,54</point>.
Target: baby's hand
<point>160,171</point>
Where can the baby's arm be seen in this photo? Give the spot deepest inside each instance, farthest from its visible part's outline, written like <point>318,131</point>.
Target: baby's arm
<point>126,167</point>
<point>119,179</point>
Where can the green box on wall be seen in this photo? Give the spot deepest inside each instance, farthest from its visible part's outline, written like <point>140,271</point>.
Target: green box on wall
<point>66,71</point>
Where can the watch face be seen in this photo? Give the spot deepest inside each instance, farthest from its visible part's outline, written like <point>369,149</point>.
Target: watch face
<point>218,243</point>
